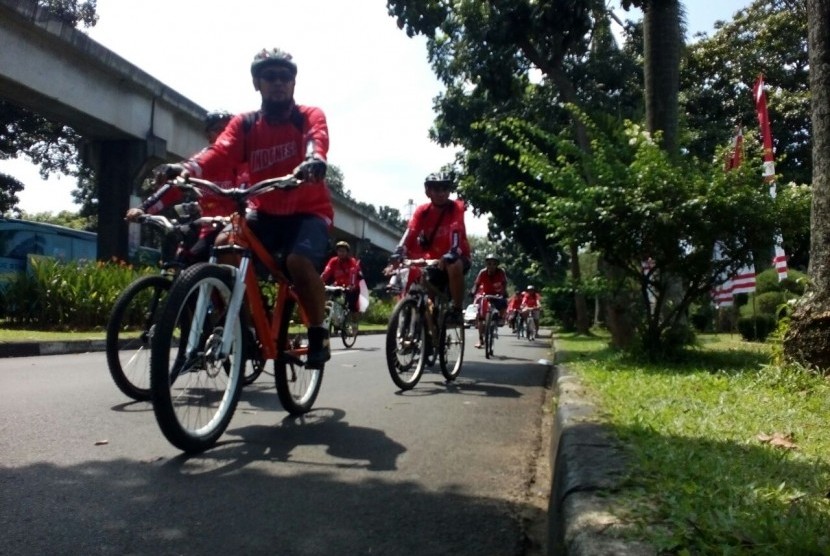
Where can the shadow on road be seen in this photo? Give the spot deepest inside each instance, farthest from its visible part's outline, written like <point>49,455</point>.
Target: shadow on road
<point>358,447</point>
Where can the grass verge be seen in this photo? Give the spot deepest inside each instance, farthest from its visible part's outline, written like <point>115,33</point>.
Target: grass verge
<point>728,454</point>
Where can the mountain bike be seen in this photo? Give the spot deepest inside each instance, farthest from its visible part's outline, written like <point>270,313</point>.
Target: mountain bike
<point>520,324</point>
<point>340,318</point>
<point>529,316</point>
<point>135,312</point>
<point>420,328</point>
<point>199,347</point>
<point>490,315</point>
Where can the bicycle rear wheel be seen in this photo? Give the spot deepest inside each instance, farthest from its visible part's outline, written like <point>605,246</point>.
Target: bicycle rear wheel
<point>451,347</point>
<point>405,342</point>
<point>297,386</point>
<point>129,331</point>
<point>194,388</point>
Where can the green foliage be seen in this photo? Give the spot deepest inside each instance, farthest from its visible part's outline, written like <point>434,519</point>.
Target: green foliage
<point>378,311</point>
<point>757,328</point>
<point>628,201</point>
<point>65,296</point>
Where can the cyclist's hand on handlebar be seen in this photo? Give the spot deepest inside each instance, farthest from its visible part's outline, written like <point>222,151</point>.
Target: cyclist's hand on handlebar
<point>166,172</point>
<point>312,169</point>
<point>452,255</point>
<point>133,214</point>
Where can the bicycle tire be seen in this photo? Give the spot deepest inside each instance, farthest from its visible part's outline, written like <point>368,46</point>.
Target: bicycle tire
<point>530,329</point>
<point>451,348</point>
<point>128,358</point>
<point>348,333</point>
<point>297,386</point>
<point>195,397</point>
<point>405,341</point>
<point>488,335</point>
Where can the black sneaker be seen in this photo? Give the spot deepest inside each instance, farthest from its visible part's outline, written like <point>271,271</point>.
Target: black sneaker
<point>455,317</point>
<point>318,347</point>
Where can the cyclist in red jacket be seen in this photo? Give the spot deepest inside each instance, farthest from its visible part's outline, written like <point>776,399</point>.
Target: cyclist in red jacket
<point>437,231</point>
<point>209,204</point>
<point>344,270</point>
<point>491,280</point>
<point>281,138</point>
<point>531,304</point>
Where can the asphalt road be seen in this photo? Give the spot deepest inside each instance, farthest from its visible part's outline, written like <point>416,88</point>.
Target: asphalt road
<point>441,469</point>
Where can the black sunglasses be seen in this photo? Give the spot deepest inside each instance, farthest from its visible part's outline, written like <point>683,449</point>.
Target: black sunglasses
<point>272,76</point>
<point>440,186</point>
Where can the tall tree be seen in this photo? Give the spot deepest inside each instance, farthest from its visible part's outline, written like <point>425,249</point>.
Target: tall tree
<point>487,54</point>
<point>808,338</point>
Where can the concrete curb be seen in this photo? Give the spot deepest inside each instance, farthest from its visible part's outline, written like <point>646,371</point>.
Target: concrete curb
<point>30,349</point>
<point>589,465</point>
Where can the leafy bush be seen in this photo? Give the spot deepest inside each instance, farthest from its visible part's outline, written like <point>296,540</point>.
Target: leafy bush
<point>379,310</point>
<point>66,296</point>
<point>756,328</point>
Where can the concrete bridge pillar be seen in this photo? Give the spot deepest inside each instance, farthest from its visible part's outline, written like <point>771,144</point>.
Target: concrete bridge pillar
<point>120,166</point>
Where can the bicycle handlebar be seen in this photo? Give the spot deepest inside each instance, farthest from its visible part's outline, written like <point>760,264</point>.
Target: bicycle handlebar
<point>240,194</point>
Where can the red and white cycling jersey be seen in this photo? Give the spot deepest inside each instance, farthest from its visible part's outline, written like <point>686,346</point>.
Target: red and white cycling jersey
<point>273,149</point>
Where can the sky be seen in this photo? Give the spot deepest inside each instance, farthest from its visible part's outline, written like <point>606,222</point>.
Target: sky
<point>373,82</point>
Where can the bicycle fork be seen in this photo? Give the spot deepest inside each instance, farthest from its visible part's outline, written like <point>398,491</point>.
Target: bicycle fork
<point>216,350</point>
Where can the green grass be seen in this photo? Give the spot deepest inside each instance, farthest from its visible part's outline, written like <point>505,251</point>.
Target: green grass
<point>701,479</point>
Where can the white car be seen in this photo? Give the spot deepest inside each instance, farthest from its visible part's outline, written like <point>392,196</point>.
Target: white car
<point>470,315</point>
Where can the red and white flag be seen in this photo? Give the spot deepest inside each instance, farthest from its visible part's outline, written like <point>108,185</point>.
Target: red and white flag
<point>766,134</point>
<point>744,280</point>
<point>733,159</point>
<point>779,258</point>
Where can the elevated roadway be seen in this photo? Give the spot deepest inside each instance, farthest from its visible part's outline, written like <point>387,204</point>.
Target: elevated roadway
<point>129,120</point>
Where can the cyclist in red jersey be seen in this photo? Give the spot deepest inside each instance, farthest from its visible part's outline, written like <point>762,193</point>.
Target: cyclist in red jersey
<point>344,270</point>
<point>437,231</point>
<point>209,204</point>
<point>513,306</point>
<point>280,138</point>
<point>491,280</point>
<point>531,301</point>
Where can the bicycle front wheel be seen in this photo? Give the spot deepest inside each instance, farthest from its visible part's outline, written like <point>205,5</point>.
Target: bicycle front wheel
<point>129,331</point>
<point>297,386</point>
<point>451,347</point>
<point>195,387</point>
<point>530,328</point>
<point>405,343</point>
<point>488,336</point>
<point>349,331</point>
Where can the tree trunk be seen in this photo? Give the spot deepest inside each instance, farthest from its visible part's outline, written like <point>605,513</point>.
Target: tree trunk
<point>661,44</point>
<point>808,338</point>
<point>583,325</point>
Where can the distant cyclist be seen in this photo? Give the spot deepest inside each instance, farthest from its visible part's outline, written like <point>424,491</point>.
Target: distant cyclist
<point>491,280</point>
<point>437,231</point>
<point>532,304</point>
<point>344,270</point>
<point>513,306</point>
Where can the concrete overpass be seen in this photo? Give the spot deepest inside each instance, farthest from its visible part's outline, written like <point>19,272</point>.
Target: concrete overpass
<point>130,121</point>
